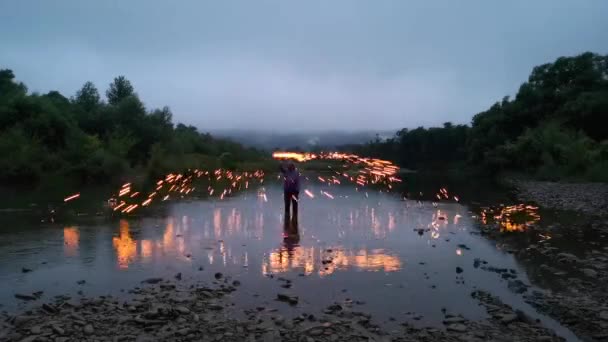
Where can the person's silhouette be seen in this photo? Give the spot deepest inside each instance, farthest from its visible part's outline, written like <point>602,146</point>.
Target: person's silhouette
<point>291,188</point>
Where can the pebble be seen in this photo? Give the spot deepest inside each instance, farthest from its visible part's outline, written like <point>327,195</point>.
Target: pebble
<point>153,280</point>
<point>58,330</point>
<point>508,318</point>
<point>24,296</point>
<point>457,327</point>
<point>88,329</point>
<point>182,310</point>
<point>589,272</point>
<point>453,320</point>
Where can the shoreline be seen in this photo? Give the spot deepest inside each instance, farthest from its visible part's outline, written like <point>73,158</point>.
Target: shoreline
<point>163,310</point>
<point>575,254</point>
<point>588,198</point>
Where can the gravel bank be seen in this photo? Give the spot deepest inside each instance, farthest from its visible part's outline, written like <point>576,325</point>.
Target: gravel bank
<point>588,198</point>
<point>172,311</point>
<point>580,301</point>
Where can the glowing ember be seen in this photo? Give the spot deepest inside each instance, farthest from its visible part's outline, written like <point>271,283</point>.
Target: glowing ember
<point>309,194</point>
<point>72,197</point>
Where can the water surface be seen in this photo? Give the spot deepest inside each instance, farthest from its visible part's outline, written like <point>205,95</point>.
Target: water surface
<point>398,258</point>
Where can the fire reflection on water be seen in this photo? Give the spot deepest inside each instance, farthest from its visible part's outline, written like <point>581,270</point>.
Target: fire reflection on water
<point>309,260</point>
<point>71,239</point>
<point>513,218</point>
<point>179,237</point>
<point>125,246</point>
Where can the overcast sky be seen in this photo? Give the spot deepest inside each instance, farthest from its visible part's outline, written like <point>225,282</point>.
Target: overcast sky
<point>292,65</point>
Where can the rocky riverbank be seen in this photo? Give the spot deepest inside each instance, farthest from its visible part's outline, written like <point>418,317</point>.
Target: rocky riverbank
<point>572,259</point>
<point>173,311</point>
<point>588,198</point>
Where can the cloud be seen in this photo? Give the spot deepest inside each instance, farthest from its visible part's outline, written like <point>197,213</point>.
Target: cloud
<point>299,65</point>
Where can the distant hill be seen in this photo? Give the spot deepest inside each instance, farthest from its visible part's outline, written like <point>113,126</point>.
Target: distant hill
<point>300,140</point>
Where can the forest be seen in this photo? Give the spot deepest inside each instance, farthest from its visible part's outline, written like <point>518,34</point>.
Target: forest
<point>555,128</point>
<point>89,139</point>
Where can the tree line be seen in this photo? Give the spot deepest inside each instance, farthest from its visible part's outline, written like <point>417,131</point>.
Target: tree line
<point>556,127</point>
<point>91,139</point>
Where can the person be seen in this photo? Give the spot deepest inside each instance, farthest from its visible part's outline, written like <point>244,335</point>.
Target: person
<point>291,188</point>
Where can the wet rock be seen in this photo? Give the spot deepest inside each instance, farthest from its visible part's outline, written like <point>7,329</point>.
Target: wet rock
<point>508,318</point>
<point>167,287</point>
<point>517,286</point>
<point>29,339</point>
<point>589,272</point>
<point>457,327</point>
<point>49,308</point>
<point>508,276</point>
<point>152,280</point>
<point>459,269</point>
<point>567,257</point>
<point>218,275</point>
<point>58,330</point>
<point>453,320</point>
<point>182,310</point>
<point>215,307</point>
<point>24,296</point>
<point>88,329</point>
<point>293,300</point>
<point>22,319</point>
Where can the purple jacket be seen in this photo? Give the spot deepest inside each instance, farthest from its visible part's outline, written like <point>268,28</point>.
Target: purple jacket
<point>292,180</point>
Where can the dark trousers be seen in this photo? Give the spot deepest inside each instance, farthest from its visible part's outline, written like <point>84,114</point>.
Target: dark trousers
<point>291,200</point>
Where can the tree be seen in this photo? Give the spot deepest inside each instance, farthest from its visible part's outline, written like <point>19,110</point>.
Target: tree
<point>8,86</point>
<point>120,89</point>
<point>87,97</point>
<point>84,139</point>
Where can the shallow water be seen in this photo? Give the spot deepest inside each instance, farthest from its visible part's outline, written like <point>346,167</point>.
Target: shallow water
<point>399,258</point>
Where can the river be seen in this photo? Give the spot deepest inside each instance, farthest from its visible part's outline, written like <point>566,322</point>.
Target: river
<point>400,260</point>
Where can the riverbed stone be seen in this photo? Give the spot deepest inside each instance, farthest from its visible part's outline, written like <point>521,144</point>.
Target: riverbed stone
<point>182,310</point>
<point>589,272</point>
<point>88,329</point>
<point>457,327</point>
<point>508,318</point>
